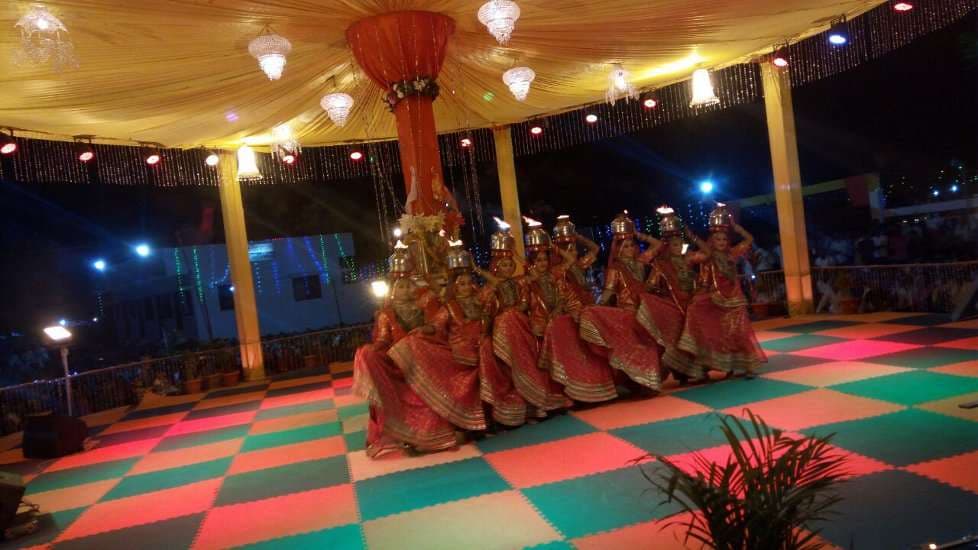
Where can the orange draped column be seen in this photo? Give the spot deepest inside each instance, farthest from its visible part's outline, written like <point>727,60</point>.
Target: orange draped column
<point>408,47</point>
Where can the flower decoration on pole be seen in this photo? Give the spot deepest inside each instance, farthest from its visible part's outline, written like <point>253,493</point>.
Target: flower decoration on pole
<point>499,17</point>
<point>44,39</point>
<point>703,94</point>
<point>337,105</point>
<point>518,79</point>
<point>270,51</point>
<point>422,85</point>
<point>619,85</point>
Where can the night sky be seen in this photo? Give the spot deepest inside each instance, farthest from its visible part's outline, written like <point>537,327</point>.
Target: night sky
<point>906,114</point>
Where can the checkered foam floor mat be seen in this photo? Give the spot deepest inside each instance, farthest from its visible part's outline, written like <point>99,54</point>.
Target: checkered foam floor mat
<point>281,464</point>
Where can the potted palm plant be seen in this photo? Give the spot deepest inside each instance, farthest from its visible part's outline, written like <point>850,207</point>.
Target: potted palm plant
<point>192,382</point>
<point>768,495</point>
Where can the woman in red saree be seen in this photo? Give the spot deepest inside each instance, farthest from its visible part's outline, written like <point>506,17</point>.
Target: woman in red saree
<point>571,362</point>
<point>670,286</point>
<point>398,416</point>
<point>630,349</point>
<point>718,332</point>
<point>441,361</point>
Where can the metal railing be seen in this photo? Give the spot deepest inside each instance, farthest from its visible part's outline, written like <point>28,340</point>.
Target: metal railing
<point>124,385</point>
<point>933,287</point>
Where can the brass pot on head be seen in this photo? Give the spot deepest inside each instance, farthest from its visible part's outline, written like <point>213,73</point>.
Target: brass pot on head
<point>400,264</point>
<point>669,224</point>
<point>564,230</point>
<point>458,258</point>
<point>720,218</point>
<point>537,238</point>
<point>622,225</point>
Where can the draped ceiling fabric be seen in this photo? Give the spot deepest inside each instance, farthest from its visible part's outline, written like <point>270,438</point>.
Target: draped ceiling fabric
<point>177,72</point>
<point>404,46</point>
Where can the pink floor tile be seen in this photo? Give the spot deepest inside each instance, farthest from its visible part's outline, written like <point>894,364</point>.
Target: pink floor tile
<point>815,408</point>
<point>855,350</point>
<point>663,534</point>
<point>362,467</point>
<point>967,368</point>
<point>251,522</point>
<point>964,343</point>
<point>211,423</point>
<point>142,509</point>
<point>297,398</point>
<point>104,454</point>
<point>215,402</point>
<point>639,411</point>
<point>833,372</point>
<point>164,460</point>
<point>287,454</point>
<point>960,471</point>
<point>765,335</point>
<point>563,459</point>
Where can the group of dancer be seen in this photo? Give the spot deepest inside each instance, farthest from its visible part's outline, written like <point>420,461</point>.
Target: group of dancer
<point>451,357</point>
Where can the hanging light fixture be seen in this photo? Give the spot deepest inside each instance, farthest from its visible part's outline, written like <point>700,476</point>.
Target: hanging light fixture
<point>44,39</point>
<point>649,100</point>
<point>839,32</point>
<point>151,154</point>
<point>85,150</point>
<point>270,51</point>
<point>8,145</point>
<point>212,158</point>
<point>591,118</point>
<point>902,6</point>
<point>619,85</point>
<point>247,164</point>
<point>286,145</point>
<point>337,106</point>
<point>356,155</point>
<point>499,17</point>
<point>780,57</point>
<point>466,142</point>
<point>537,126</point>
<point>518,79</point>
<point>703,94</point>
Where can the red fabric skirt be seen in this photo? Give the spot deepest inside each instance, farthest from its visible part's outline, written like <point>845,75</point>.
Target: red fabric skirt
<point>397,414</point>
<point>585,375</point>
<point>448,387</point>
<point>719,335</point>
<point>664,321</point>
<point>630,349</point>
<point>517,347</point>
<point>497,388</point>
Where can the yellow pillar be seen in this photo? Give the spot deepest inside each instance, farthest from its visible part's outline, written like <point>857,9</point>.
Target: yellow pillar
<point>508,191</point>
<point>236,237</point>
<point>787,188</point>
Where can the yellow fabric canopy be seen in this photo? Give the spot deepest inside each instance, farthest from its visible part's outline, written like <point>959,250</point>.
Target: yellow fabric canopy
<point>178,72</point>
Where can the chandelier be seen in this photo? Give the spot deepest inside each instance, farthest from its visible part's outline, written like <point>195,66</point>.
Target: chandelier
<point>703,94</point>
<point>44,39</point>
<point>499,17</point>
<point>619,85</point>
<point>518,80</point>
<point>247,167</point>
<point>285,142</point>
<point>270,51</point>
<point>337,106</point>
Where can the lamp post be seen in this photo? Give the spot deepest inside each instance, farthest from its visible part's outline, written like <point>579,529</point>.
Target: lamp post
<point>61,336</point>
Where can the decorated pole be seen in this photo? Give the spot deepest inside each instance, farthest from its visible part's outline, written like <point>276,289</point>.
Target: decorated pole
<point>402,52</point>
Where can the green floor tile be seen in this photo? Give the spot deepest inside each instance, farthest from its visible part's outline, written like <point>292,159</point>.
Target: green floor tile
<point>600,502</point>
<point>817,326</point>
<point>679,436</point>
<point>739,391</point>
<point>287,437</point>
<point>925,358</point>
<point>347,537</point>
<point>353,410</point>
<point>80,476</point>
<point>413,489</point>
<point>911,388</point>
<point>905,437</point>
<point>168,479</point>
<point>796,343</point>
<point>555,545</point>
<point>201,438</point>
<point>283,480</point>
<point>280,412</point>
<point>356,441</point>
<point>551,429</point>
